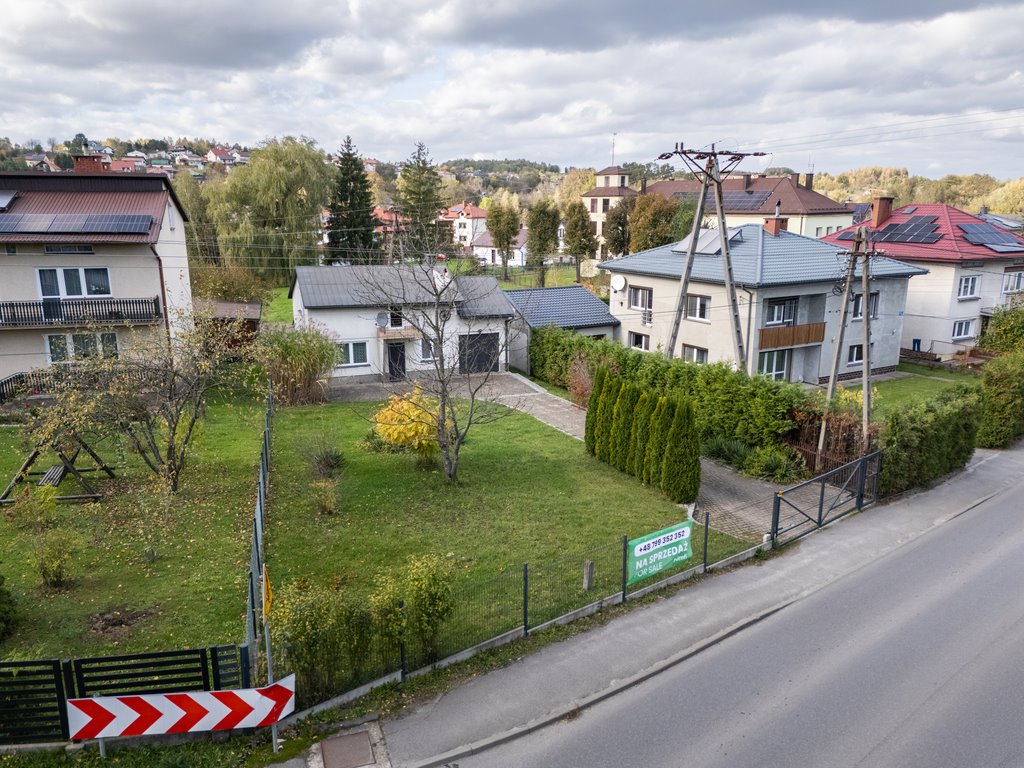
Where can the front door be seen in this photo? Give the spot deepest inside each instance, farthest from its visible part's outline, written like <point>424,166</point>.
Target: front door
<point>396,360</point>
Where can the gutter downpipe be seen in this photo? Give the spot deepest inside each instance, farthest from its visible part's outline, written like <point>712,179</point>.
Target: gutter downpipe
<point>163,291</point>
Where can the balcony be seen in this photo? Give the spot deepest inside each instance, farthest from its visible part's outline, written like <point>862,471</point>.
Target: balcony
<point>398,332</point>
<point>52,313</point>
<point>785,336</point>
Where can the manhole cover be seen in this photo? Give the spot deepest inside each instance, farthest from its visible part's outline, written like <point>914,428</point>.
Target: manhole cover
<point>350,750</point>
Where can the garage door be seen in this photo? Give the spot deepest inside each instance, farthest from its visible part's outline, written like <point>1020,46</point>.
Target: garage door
<point>478,352</point>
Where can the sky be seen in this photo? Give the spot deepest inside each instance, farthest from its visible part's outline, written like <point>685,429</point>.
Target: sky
<point>934,86</point>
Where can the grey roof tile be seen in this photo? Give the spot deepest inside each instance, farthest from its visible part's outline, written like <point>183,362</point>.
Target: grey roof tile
<point>570,306</point>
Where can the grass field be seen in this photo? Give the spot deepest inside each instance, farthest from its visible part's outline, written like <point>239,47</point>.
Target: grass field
<point>922,383</point>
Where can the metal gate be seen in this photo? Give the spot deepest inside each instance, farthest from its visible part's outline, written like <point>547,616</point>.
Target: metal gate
<point>806,507</point>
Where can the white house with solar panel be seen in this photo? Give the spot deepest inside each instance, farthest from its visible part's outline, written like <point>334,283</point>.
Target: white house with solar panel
<point>789,305</point>
<point>93,262</point>
<point>974,267</point>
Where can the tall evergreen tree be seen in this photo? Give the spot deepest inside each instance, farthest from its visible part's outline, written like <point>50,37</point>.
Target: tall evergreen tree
<point>580,241</point>
<point>589,434</point>
<point>661,423</point>
<point>639,430</point>
<point>350,236</point>
<point>680,472</point>
<point>503,226</point>
<point>542,236</point>
<point>419,202</point>
<point>622,422</point>
<point>605,415</point>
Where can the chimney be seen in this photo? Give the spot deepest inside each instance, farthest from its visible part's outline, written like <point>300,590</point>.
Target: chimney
<point>775,224</point>
<point>88,163</point>
<point>809,181</point>
<point>881,210</point>
<point>746,180</point>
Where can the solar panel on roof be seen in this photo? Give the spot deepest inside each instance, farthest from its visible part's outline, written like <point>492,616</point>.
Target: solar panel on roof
<point>916,229</point>
<point>9,221</point>
<point>7,197</point>
<point>1005,248</point>
<point>847,236</point>
<point>34,222</point>
<point>117,223</point>
<point>66,222</point>
<point>987,234</point>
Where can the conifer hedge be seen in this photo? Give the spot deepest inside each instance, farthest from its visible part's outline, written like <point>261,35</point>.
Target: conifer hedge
<point>680,471</point>
<point>592,406</point>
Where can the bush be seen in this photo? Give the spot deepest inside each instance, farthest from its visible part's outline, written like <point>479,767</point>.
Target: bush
<point>1002,417</point>
<point>926,440</point>
<point>730,450</point>
<point>57,548</point>
<point>680,474</point>
<point>415,602</point>
<point>297,361</point>
<point>622,423</point>
<point>230,283</point>
<point>325,459</point>
<point>8,612</point>
<point>605,418</point>
<point>409,421</point>
<point>593,404</point>
<point>36,506</point>
<point>581,384</point>
<point>780,465</point>
<point>661,423</point>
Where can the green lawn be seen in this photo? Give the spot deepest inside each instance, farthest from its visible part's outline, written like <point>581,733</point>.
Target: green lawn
<point>923,383</point>
<point>279,309</point>
<point>527,493</point>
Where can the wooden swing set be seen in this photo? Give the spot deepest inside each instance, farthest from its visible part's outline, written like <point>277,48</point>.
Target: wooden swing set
<point>55,475</point>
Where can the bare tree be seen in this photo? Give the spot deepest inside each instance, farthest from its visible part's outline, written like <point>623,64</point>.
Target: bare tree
<point>460,327</point>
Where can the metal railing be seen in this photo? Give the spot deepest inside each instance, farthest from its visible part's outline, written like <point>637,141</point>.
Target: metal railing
<point>77,312</point>
<point>254,583</point>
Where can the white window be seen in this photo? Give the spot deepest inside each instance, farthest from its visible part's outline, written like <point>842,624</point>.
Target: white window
<point>858,306</point>
<point>1013,282</point>
<point>694,354</point>
<point>968,288</point>
<point>639,341</point>
<point>773,364</point>
<point>640,298</point>
<point>352,353</point>
<point>64,347</point>
<point>855,354</point>
<point>817,231</point>
<point>698,307</point>
<point>426,350</point>
<point>780,312</point>
<point>962,329</point>
<point>76,249</point>
<point>68,282</point>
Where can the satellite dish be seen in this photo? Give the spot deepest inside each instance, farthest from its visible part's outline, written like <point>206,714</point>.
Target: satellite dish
<point>382,319</point>
<point>618,282</point>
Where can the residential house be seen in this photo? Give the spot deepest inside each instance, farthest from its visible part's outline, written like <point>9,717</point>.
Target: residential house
<point>91,263</point>
<point>125,166</point>
<point>378,316</point>
<point>789,307</point>
<point>572,307</point>
<point>973,268</point>
<point>612,187</point>
<point>486,253</point>
<point>40,162</point>
<point>240,156</point>
<point>749,199</point>
<point>467,222</point>
<point>220,155</point>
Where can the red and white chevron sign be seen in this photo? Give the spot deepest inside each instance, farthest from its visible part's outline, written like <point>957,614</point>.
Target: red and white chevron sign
<point>105,717</point>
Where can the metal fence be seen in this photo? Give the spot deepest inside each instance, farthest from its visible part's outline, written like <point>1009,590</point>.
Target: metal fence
<point>34,694</point>
<point>254,583</point>
<point>806,507</point>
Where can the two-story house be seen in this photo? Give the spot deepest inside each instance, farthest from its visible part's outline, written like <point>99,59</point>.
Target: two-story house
<point>749,199</point>
<point>973,267</point>
<point>467,221</point>
<point>388,319</point>
<point>612,186</point>
<point>91,262</point>
<point>788,303</point>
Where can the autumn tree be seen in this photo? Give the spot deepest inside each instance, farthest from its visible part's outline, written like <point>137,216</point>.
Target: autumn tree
<point>650,223</point>
<point>575,183</point>
<point>419,201</point>
<point>350,229</point>
<point>268,211</point>
<point>580,241</point>
<point>616,227</point>
<point>542,222</point>
<point>200,229</point>
<point>503,226</point>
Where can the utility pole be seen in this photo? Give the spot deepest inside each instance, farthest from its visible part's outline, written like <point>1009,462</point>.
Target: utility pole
<point>865,309</point>
<point>716,167</point>
<point>837,349</point>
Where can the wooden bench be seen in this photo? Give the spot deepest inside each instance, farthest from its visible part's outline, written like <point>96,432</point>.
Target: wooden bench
<point>54,475</point>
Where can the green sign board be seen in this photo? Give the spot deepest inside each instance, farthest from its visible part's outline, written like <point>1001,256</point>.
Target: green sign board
<point>658,551</point>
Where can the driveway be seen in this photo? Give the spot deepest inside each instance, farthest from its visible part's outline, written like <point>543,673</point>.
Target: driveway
<point>737,505</point>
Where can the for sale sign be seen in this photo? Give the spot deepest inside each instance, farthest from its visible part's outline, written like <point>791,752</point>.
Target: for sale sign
<point>658,551</point>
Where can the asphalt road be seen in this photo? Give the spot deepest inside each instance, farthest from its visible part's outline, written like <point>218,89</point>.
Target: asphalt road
<point>914,660</point>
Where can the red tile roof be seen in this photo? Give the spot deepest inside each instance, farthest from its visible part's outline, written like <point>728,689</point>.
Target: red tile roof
<point>951,246</point>
<point>84,194</point>
<point>611,170</point>
<point>611,192</point>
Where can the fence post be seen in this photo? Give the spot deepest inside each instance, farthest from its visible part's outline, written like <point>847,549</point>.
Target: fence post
<point>401,644</point>
<point>244,661</point>
<point>707,525</point>
<point>625,564</point>
<point>821,503</point>
<point>526,599</point>
<point>862,472</point>
<point>776,504</point>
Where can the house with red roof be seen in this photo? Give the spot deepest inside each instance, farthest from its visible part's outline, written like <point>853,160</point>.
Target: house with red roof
<point>467,221</point>
<point>973,266</point>
<point>94,263</point>
<point>612,186</point>
<point>748,199</point>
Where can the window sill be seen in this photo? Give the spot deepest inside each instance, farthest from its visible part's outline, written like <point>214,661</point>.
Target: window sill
<point>699,320</point>
<point>968,298</point>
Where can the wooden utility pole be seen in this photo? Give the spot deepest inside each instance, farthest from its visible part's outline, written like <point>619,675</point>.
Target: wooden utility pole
<point>865,309</point>
<point>730,289</point>
<point>837,349</point>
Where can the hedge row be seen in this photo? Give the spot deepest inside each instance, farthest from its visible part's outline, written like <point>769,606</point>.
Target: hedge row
<point>727,403</point>
<point>925,440</point>
<point>652,437</point>
<point>1002,419</point>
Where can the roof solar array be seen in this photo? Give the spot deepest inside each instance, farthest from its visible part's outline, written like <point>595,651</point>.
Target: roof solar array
<point>992,238</point>
<point>7,197</point>
<point>732,199</point>
<point>916,229</point>
<point>72,223</point>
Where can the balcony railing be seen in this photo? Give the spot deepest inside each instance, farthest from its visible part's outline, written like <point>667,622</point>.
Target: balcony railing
<point>398,332</point>
<point>784,336</point>
<point>77,312</point>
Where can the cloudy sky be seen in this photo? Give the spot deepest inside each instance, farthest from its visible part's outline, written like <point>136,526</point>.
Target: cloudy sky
<point>935,86</point>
